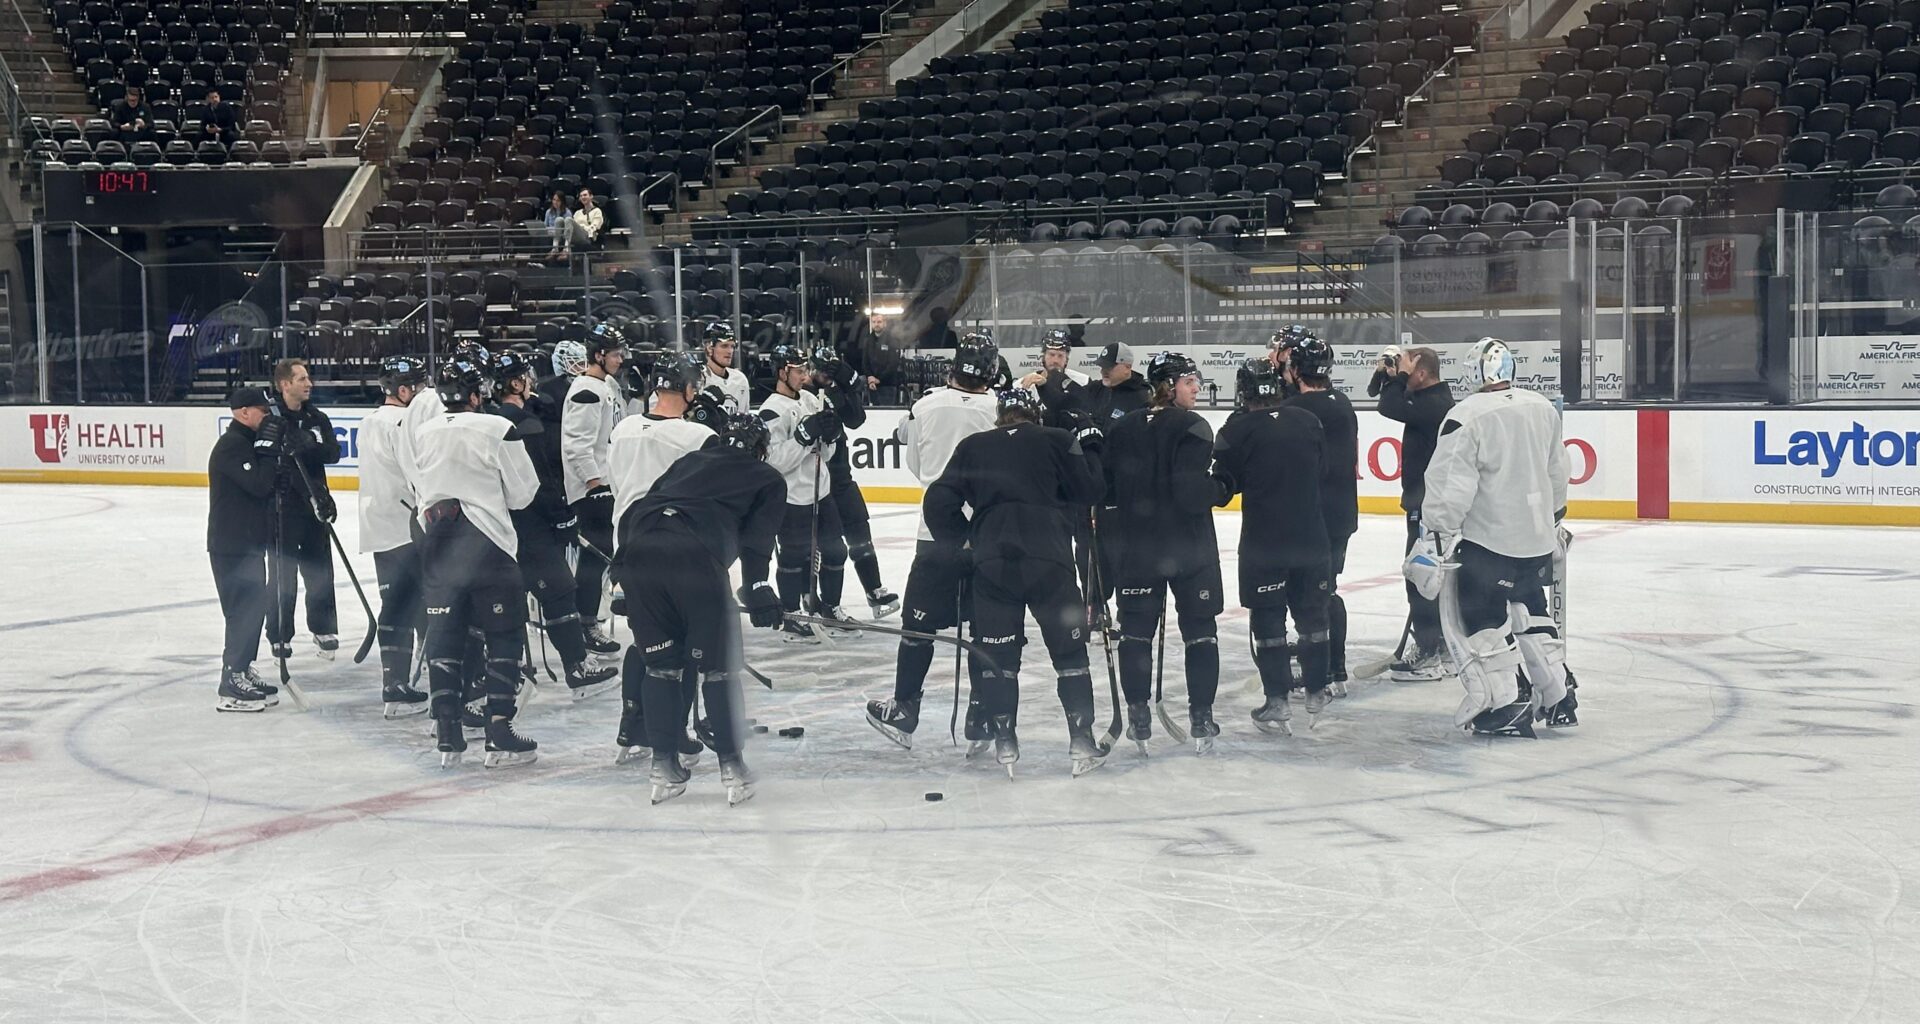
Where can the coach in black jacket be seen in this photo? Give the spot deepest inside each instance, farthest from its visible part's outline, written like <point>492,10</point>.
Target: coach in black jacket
<point>303,517</point>
<point>240,482</point>
<point>1411,392</point>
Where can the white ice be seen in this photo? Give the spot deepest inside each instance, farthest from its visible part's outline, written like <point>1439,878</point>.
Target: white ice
<point>1730,834</point>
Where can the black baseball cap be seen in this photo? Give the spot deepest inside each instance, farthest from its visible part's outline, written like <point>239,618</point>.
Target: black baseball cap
<point>249,398</point>
<point>1113,355</point>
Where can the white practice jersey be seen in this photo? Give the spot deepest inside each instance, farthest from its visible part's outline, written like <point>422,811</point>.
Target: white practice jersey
<point>734,384</point>
<point>794,460</point>
<point>935,426</point>
<point>594,406</point>
<point>644,448</point>
<point>467,456</point>
<point>424,409</point>
<point>386,483</point>
<point>1499,474</point>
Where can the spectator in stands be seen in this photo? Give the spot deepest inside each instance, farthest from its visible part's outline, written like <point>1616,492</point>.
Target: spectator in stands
<point>131,116</point>
<point>559,222</point>
<point>222,121</point>
<point>588,221</point>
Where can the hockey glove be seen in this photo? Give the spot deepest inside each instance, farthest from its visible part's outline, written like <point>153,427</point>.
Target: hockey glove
<point>709,409</point>
<point>267,440</point>
<point>822,427</point>
<point>324,507</point>
<point>762,604</point>
<point>1426,566</point>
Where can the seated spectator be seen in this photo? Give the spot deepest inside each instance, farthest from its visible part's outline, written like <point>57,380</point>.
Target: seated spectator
<point>223,121</point>
<point>131,116</point>
<point>559,225</point>
<point>588,221</point>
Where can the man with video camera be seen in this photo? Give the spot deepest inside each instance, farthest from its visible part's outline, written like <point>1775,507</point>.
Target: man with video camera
<point>306,507</point>
<point>1409,390</point>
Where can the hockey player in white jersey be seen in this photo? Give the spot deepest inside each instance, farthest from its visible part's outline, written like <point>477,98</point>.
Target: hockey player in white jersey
<point>932,429</point>
<point>1496,491</point>
<point>594,406</point>
<point>473,473</point>
<point>719,347</point>
<point>805,432</point>
<point>386,529</point>
<point>644,448</point>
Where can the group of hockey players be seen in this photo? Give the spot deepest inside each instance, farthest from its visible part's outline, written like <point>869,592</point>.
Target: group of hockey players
<point>495,487</point>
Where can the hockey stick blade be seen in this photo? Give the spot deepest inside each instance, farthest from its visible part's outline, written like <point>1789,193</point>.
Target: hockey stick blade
<point>1166,722</point>
<point>872,627</point>
<point>758,675</point>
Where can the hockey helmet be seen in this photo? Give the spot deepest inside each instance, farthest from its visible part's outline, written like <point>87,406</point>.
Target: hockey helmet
<point>976,361</point>
<point>747,432</point>
<point>1056,340</point>
<point>1020,401</point>
<point>1490,362</point>
<point>402,371</point>
<point>788,354</point>
<point>569,358</point>
<point>676,372</point>
<point>1288,336</point>
<point>462,378</point>
<point>1310,356</point>
<point>1167,367</point>
<point>603,338</point>
<point>1258,380</point>
<point>716,333</point>
<point>508,367</point>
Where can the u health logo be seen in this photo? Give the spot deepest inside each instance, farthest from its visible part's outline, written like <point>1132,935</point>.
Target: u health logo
<point>51,433</point>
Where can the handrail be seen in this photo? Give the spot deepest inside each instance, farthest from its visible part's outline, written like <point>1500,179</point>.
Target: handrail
<point>851,57</point>
<point>406,63</point>
<point>713,152</point>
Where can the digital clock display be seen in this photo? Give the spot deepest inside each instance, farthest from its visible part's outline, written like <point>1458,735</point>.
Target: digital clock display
<point>113,183</point>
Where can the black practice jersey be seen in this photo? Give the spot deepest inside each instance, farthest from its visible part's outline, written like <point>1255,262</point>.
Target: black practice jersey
<point>1020,480</point>
<point>1160,493</point>
<point>734,502</point>
<point>1274,459</point>
<point>543,446</point>
<point>550,504</point>
<point>1339,479</point>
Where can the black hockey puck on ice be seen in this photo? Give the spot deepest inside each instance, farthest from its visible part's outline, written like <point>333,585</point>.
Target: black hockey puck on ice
<point>759,728</point>
<point>934,798</point>
<point>794,732</point>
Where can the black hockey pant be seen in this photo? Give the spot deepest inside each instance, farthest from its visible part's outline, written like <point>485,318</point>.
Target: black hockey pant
<point>1305,592</point>
<point>935,599</point>
<point>470,584</point>
<point>543,569</point>
<point>794,545</point>
<point>402,615</point>
<point>1002,594</point>
<point>684,620</point>
<point>1197,603</point>
<point>595,512</point>
<point>856,528</point>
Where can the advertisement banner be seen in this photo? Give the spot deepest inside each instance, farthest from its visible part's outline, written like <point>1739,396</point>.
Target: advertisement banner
<point>1868,369</point>
<point>133,444</point>
<point>1785,466</point>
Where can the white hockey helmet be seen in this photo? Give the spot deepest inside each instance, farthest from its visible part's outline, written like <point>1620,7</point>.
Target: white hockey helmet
<point>1490,362</point>
<point>569,358</point>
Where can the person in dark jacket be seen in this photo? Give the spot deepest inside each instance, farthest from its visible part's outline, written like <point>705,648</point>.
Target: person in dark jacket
<point>306,507</point>
<point>1410,391</point>
<point>846,391</point>
<point>1160,521</point>
<point>1307,360</point>
<point>1119,390</point>
<point>241,474</point>
<point>1271,456</point>
<point>1022,482</point>
<point>131,116</point>
<point>222,120</point>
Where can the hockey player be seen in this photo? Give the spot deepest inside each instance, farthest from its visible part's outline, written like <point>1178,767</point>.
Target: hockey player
<point>719,346</point>
<point>720,504</point>
<point>241,473</point>
<point>846,393</point>
<point>594,406</point>
<point>1308,360</point>
<point>304,516</point>
<point>1496,491</point>
<point>644,448</point>
<point>1009,494</point>
<point>1161,521</point>
<point>932,429</point>
<point>1058,386</point>
<point>1272,456</point>
<point>473,474</point>
<point>386,531</point>
<point>1409,390</point>
<point>543,529</point>
<point>805,434</point>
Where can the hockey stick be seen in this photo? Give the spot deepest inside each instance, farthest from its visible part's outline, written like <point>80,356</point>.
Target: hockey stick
<point>859,626</point>
<point>1106,640</point>
<point>1370,669</point>
<point>373,621</point>
<point>1159,683</point>
<point>276,568</point>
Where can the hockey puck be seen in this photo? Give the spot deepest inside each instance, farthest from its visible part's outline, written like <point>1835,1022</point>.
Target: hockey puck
<point>934,798</point>
<point>759,728</point>
<point>794,732</point>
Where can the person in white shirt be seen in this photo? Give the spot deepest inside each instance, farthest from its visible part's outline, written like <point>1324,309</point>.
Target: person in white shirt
<point>805,433</point>
<point>644,448</point>
<point>720,346</point>
<point>588,221</point>
<point>594,406</point>
<point>1496,491</point>
<point>933,428</point>
<point>386,531</point>
<point>473,474</point>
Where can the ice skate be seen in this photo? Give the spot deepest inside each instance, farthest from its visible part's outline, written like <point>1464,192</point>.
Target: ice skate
<point>1275,716</point>
<point>631,740</point>
<point>979,740</point>
<point>1515,719</point>
<point>401,700</point>
<point>883,602</point>
<point>738,780</point>
<point>326,646</point>
<point>473,715</point>
<point>1006,745</point>
<point>1085,752</point>
<point>690,749</point>
<point>1419,666</point>
<point>895,719</point>
<point>506,748</point>
<point>236,694</point>
<point>799,633</point>
<point>599,642</point>
<point>668,778</point>
<point>1338,685</point>
<point>1561,715</point>
<point>587,679</point>
<point>1317,702</point>
<point>1140,725</point>
<point>451,740</point>
<point>1204,729</point>
<point>261,684</point>
<point>837,616</point>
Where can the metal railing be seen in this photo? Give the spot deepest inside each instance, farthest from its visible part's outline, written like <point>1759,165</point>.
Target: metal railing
<point>401,98</point>
<point>886,16</point>
<point>741,134</point>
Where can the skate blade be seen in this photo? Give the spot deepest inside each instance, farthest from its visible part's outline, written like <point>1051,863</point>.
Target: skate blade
<point>593,689</point>
<point>740,794</point>
<point>1142,744</point>
<point>510,758</point>
<point>450,758</point>
<point>976,748</point>
<point>882,611</point>
<point>690,761</point>
<point>904,740</point>
<point>1202,746</point>
<point>665,791</point>
<point>1083,765</point>
<point>1283,727</point>
<point>403,709</point>
<point>1338,690</point>
<point>628,755</point>
<point>244,706</point>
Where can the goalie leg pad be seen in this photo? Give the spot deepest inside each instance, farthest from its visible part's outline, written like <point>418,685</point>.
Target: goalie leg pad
<point>1543,653</point>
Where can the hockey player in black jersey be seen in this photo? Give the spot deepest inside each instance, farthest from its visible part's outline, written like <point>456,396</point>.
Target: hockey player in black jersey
<point>1158,462</point>
<point>544,529</point>
<point>1308,360</point>
<point>845,392</point>
<point>1272,455</point>
<point>1008,493</point>
<point>714,506</point>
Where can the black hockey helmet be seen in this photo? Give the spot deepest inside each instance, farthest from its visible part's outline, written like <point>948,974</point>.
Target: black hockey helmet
<point>461,378</point>
<point>508,367</point>
<point>1167,367</point>
<point>1258,380</point>
<point>976,361</point>
<point>1311,356</point>
<point>603,338</point>
<point>788,354</point>
<point>1288,336</point>
<point>676,372</point>
<point>1020,401</point>
<point>715,333</point>
<point>747,432</point>
<point>397,372</point>
<point>1056,340</point>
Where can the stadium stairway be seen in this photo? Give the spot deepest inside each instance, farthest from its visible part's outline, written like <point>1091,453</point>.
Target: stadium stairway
<point>48,85</point>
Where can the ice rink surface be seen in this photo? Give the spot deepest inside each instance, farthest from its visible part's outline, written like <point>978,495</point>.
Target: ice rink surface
<point>1730,835</point>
